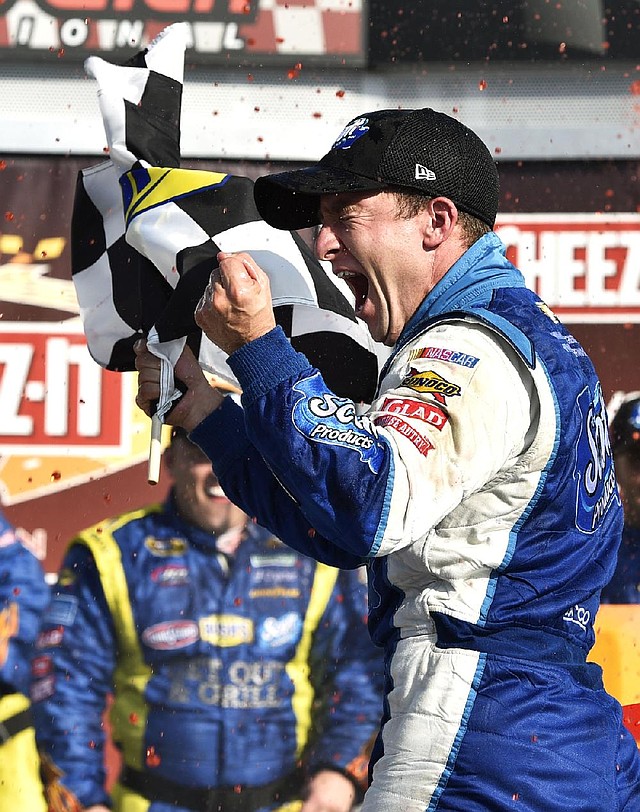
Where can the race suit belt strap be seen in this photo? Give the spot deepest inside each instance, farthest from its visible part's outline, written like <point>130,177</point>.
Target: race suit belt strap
<point>240,798</point>
<point>15,724</point>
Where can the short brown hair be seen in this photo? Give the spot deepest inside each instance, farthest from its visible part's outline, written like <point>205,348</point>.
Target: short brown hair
<point>410,204</point>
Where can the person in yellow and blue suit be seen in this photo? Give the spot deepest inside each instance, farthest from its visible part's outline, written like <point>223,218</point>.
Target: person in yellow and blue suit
<point>242,672</point>
<point>24,595</point>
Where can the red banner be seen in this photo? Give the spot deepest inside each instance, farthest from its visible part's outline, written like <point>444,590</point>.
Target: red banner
<point>232,32</point>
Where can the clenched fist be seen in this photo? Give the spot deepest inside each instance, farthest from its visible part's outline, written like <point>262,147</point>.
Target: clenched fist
<point>236,306</point>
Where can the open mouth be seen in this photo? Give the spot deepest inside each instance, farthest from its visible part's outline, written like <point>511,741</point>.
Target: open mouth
<point>359,285</point>
<point>215,492</point>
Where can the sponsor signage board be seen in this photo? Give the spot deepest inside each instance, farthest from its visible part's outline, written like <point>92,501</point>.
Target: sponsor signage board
<point>230,32</point>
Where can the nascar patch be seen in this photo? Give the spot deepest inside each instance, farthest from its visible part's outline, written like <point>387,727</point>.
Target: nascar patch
<point>322,417</point>
<point>430,382</point>
<point>463,359</point>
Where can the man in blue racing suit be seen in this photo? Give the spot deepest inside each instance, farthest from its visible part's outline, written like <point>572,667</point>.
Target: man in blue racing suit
<point>24,596</point>
<point>479,484</point>
<point>242,673</point>
<point>624,587</point>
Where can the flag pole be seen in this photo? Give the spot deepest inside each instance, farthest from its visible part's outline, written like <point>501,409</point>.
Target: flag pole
<point>155,451</point>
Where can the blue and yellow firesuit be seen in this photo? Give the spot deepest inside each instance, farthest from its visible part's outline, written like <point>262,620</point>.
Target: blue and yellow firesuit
<point>227,673</point>
<point>23,598</point>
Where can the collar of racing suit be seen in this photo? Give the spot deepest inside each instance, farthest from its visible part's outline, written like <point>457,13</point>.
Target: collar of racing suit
<point>469,282</point>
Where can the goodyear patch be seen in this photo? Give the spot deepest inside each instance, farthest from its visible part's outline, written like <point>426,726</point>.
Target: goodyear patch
<point>165,548</point>
<point>430,382</point>
<point>463,359</point>
<point>323,417</point>
<point>275,592</point>
<point>226,630</point>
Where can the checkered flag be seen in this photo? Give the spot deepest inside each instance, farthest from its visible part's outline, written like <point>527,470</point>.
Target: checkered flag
<point>145,235</point>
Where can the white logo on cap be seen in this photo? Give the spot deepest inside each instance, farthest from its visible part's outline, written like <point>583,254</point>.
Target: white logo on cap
<point>422,173</point>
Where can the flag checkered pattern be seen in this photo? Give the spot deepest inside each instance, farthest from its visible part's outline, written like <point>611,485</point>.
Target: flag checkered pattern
<point>145,235</point>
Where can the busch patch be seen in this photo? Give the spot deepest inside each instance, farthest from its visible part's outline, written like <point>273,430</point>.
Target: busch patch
<point>325,418</point>
<point>594,463</point>
<point>355,129</point>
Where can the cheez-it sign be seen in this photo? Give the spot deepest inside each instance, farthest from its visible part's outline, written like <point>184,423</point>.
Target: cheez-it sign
<point>586,267</point>
<point>53,394</point>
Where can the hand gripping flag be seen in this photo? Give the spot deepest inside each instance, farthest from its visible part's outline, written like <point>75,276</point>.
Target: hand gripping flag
<point>145,234</point>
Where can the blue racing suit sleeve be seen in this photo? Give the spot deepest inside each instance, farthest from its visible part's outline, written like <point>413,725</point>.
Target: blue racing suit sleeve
<point>79,638</point>
<point>330,460</point>
<point>23,598</point>
<point>249,483</point>
<point>347,673</point>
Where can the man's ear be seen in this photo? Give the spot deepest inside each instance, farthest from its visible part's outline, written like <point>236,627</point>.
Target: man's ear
<point>440,220</point>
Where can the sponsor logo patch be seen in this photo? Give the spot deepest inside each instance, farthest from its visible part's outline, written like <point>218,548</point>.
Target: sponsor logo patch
<point>415,409</point>
<point>67,577</point>
<point>165,548</point>
<point>277,560</point>
<point>394,422</point>
<point>275,632</point>
<point>50,638</point>
<point>432,383</point>
<point>9,625</point>
<point>170,635</point>
<point>170,575</point>
<point>594,472</point>
<point>62,610</point>
<point>275,592</point>
<point>354,130</point>
<point>463,359</point>
<point>41,666</point>
<point>324,418</point>
<point>43,689</point>
<point>226,630</point>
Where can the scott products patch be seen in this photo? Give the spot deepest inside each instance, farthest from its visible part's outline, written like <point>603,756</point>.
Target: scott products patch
<point>324,418</point>
<point>594,463</point>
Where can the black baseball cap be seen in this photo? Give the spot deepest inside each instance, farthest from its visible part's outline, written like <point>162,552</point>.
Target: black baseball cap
<point>625,426</point>
<point>420,151</point>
